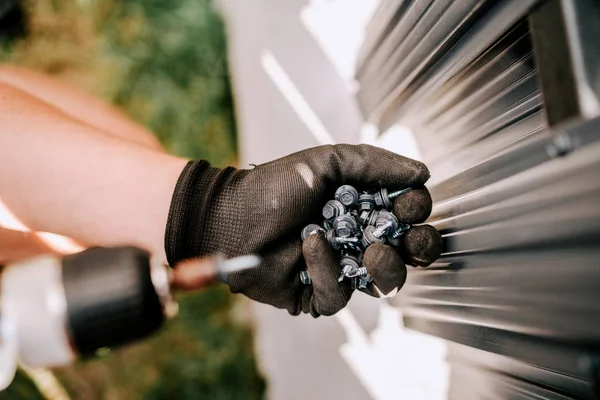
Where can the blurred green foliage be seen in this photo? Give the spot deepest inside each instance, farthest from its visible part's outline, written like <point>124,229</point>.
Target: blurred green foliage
<point>172,54</point>
<point>202,354</point>
<point>164,63</point>
<point>21,388</point>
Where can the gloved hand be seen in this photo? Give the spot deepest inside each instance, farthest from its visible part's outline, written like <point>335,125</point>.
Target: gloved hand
<point>262,211</point>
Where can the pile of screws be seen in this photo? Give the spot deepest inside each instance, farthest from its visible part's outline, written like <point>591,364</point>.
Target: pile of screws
<point>352,223</point>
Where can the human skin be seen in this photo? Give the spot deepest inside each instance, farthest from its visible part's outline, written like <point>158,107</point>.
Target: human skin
<point>63,175</point>
<point>78,105</point>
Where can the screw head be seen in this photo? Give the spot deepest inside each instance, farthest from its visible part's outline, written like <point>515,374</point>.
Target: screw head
<point>366,202</point>
<point>332,209</point>
<point>385,217</point>
<point>369,237</point>
<point>349,261</point>
<point>347,195</point>
<point>344,229</point>
<point>309,230</point>
<point>363,218</point>
<point>344,226</point>
<point>382,199</point>
<point>328,211</point>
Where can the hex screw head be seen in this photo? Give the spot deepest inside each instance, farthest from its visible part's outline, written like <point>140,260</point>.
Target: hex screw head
<point>310,230</point>
<point>384,199</point>
<point>366,202</point>
<point>344,226</point>
<point>363,218</point>
<point>347,195</point>
<point>333,209</point>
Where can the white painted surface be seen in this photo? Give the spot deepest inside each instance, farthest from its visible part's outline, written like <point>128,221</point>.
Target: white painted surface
<point>294,98</point>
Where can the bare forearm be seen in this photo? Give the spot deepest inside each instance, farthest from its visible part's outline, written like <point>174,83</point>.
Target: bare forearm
<point>77,105</point>
<point>64,176</point>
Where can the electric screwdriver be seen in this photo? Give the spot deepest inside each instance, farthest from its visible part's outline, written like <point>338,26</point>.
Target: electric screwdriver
<point>54,309</point>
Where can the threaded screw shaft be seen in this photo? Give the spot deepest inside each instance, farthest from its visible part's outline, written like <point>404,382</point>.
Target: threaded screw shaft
<point>358,272</point>
<point>403,228</point>
<point>338,239</point>
<point>379,232</point>
<point>397,193</point>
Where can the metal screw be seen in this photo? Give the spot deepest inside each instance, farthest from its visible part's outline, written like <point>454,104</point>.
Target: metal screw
<point>366,202</point>
<point>382,229</point>
<point>344,226</point>
<point>310,230</point>
<point>389,220</point>
<point>349,264</point>
<point>305,277</point>
<point>346,239</point>
<point>395,239</point>
<point>367,217</point>
<point>363,218</point>
<point>364,281</point>
<point>346,269</point>
<point>362,271</point>
<point>348,259</point>
<point>400,231</point>
<point>384,199</point>
<point>333,209</point>
<point>369,238</point>
<point>397,193</point>
<point>347,195</point>
<point>336,241</point>
<point>373,217</point>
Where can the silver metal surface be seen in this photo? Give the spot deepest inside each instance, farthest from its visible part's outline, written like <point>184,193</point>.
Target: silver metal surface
<point>398,193</point>
<point>516,202</point>
<point>347,195</point>
<point>400,231</point>
<point>333,209</point>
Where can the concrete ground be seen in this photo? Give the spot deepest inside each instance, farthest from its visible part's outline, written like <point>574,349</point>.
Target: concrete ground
<point>292,64</point>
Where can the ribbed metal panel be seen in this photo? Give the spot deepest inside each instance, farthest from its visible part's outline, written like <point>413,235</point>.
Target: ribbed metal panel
<point>516,199</point>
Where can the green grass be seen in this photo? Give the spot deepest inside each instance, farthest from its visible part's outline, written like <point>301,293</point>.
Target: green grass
<point>164,63</point>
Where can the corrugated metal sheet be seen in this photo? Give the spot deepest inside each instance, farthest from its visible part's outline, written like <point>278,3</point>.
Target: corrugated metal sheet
<point>516,198</point>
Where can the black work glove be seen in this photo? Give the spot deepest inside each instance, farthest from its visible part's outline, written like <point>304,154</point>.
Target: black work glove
<point>263,210</point>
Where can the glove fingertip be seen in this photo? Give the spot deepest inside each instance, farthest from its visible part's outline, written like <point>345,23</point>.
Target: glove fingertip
<point>328,295</point>
<point>422,245</point>
<point>414,206</point>
<point>386,267</point>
